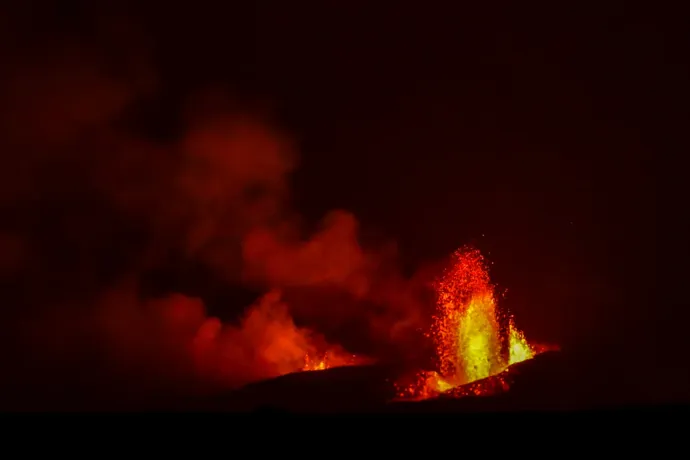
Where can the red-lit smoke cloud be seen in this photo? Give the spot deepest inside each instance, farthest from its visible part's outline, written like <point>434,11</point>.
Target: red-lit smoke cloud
<point>91,204</point>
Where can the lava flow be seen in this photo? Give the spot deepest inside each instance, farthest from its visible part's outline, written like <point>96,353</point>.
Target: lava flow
<point>467,335</point>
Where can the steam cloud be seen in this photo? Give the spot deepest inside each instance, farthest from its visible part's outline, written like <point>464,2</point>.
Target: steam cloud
<point>91,206</point>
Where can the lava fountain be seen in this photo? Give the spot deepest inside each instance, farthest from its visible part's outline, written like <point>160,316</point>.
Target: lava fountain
<point>467,335</point>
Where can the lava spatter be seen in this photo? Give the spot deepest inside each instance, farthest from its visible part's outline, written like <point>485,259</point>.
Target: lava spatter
<point>467,335</point>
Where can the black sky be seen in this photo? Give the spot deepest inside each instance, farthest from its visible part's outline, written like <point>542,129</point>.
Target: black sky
<point>531,132</point>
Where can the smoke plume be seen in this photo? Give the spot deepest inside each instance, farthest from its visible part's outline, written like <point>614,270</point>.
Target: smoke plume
<point>92,205</point>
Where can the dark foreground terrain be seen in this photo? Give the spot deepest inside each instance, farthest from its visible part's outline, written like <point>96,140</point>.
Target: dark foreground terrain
<point>551,381</point>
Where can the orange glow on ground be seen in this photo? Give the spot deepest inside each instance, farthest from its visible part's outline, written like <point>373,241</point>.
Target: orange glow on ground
<point>315,364</point>
<point>330,360</point>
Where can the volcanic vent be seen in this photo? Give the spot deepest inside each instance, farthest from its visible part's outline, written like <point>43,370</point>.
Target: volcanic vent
<point>475,347</point>
<point>473,350</point>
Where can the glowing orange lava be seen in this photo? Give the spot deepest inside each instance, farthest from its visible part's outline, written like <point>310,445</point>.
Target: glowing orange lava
<point>315,364</point>
<point>467,334</point>
<point>330,360</point>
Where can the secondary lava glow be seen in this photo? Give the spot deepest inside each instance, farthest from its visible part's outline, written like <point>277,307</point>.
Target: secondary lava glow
<point>329,360</point>
<point>311,364</point>
<point>467,334</point>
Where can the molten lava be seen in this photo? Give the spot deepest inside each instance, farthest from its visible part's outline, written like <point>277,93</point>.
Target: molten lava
<point>315,364</point>
<point>467,334</point>
<point>330,360</point>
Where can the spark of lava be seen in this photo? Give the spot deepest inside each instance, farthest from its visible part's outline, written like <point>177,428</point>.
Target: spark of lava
<point>467,335</point>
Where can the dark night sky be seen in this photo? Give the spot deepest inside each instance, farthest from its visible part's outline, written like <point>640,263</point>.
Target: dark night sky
<point>530,132</point>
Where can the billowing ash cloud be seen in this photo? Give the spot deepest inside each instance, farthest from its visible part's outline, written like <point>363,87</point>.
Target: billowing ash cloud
<point>90,207</point>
